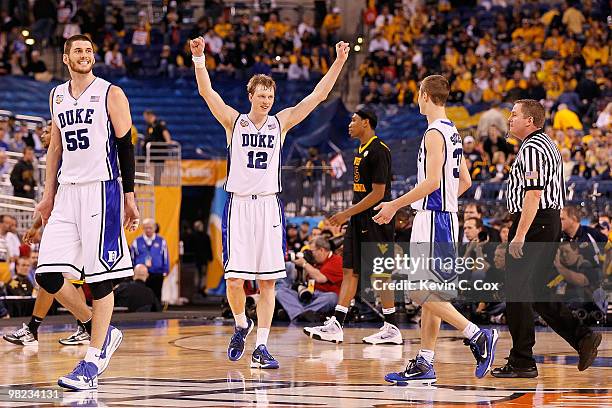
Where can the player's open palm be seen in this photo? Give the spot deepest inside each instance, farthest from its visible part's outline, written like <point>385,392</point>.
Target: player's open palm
<point>342,50</point>
<point>197,46</point>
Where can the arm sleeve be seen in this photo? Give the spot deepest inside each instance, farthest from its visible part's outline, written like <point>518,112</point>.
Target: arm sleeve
<point>534,162</point>
<point>380,165</point>
<point>125,152</point>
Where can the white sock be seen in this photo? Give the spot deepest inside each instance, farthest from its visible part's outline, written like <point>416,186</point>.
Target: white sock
<point>262,336</point>
<point>241,320</point>
<point>470,330</point>
<point>93,355</point>
<point>389,310</point>
<point>428,355</point>
<point>342,309</point>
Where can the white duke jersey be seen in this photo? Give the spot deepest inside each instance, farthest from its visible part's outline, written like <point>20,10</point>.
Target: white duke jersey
<point>444,198</point>
<point>254,157</point>
<point>88,138</point>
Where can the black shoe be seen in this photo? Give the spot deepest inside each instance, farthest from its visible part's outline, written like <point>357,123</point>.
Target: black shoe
<point>509,371</point>
<point>587,350</point>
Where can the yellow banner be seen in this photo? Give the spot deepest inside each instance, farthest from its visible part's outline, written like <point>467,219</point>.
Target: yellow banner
<point>202,172</point>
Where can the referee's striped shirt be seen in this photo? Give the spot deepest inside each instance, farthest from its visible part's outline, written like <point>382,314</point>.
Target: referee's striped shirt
<point>538,166</point>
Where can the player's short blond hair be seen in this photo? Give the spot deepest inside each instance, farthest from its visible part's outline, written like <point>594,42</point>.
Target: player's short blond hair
<point>265,81</point>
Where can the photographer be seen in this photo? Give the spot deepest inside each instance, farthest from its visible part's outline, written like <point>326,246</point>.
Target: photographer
<point>320,297</point>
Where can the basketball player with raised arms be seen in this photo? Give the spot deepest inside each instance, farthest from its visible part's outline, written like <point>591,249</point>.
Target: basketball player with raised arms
<point>253,225</point>
<point>442,176</point>
<point>90,133</point>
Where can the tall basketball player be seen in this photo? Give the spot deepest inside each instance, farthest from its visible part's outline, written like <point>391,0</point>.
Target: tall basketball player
<point>90,132</point>
<point>442,177</point>
<point>253,222</point>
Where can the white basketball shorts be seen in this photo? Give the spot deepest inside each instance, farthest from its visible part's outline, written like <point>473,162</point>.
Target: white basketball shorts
<point>433,246</point>
<point>254,244</point>
<point>85,233</point>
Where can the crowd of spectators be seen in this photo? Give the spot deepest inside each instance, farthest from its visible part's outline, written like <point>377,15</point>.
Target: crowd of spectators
<point>250,40</point>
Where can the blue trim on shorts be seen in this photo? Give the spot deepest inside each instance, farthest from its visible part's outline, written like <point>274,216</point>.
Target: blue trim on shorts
<point>111,240</point>
<point>225,233</point>
<point>443,244</point>
<point>281,211</point>
<point>434,201</point>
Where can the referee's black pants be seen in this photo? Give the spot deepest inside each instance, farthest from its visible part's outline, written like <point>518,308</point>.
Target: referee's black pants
<point>526,289</point>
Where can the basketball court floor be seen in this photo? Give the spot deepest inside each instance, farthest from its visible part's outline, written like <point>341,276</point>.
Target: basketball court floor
<point>183,363</point>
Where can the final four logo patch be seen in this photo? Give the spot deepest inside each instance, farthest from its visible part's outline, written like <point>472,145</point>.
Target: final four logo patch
<point>59,99</point>
<point>244,123</point>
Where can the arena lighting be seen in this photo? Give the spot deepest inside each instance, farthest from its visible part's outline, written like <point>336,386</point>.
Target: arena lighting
<point>357,48</point>
<point>25,33</point>
<point>278,58</point>
<point>360,40</point>
<point>30,41</point>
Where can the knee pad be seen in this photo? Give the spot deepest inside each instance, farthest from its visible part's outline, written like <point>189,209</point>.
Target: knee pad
<point>100,290</point>
<point>52,282</point>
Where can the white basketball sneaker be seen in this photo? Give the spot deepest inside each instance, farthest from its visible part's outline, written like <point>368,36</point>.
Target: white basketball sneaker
<point>388,334</point>
<point>330,331</point>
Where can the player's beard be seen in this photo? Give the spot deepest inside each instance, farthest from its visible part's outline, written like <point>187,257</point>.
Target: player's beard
<point>78,68</point>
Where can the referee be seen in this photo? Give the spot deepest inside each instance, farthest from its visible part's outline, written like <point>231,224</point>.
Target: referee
<point>536,192</point>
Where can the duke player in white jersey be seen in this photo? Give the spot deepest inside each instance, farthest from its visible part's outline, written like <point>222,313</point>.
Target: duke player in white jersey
<point>442,177</point>
<point>253,223</point>
<point>90,145</point>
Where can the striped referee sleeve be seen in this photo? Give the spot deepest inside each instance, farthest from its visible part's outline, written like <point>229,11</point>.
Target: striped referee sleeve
<point>534,162</point>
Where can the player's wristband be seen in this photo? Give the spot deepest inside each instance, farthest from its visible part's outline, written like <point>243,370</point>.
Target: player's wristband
<point>199,62</point>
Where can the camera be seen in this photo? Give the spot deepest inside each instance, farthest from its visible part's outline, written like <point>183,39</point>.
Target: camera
<point>307,255</point>
<point>305,291</point>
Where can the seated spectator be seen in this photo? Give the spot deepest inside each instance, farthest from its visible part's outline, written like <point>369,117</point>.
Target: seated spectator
<point>333,21</point>
<point>297,71</point>
<point>568,163</point>
<point>581,168</point>
<point>306,26</point>
<point>151,250</point>
<point>213,42</point>
<point>17,144</point>
<point>140,36</point>
<point>294,243</point>
<point>22,176</point>
<point>378,43</point>
<point>498,170</point>
<point>388,96</point>
<point>573,231</point>
<point>327,275</point>
<point>565,118</point>
<point>478,165</point>
<point>21,285</point>
<point>37,68</point>
<point>495,142</point>
<point>492,117</point>
<point>33,139</point>
<point>370,94</point>
<point>476,247</point>
<point>167,62</point>
<point>473,210</point>
<point>9,242</point>
<point>113,57</point>
<point>136,295</point>
<point>274,28</point>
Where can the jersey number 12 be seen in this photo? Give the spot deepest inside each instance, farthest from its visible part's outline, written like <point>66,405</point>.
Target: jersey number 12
<point>257,161</point>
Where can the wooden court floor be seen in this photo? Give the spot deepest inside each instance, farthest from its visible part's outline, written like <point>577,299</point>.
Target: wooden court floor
<point>174,363</point>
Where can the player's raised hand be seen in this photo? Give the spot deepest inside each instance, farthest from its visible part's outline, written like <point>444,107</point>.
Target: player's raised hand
<point>197,46</point>
<point>342,51</point>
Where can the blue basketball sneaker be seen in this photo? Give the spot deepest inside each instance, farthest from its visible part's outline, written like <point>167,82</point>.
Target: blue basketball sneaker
<point>83,377</point>
<point>263,359</point>
<point>419,371</point>
<point>235,350</point>
<point>483,346</point>
<point>113,339</point>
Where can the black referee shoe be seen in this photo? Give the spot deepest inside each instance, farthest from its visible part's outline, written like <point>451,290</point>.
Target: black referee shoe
<point>587,350</point>
<point>509,371</point>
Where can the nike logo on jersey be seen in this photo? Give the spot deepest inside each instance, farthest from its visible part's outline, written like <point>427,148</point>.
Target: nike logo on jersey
<point>95,215</point>
<point>274,226</point>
